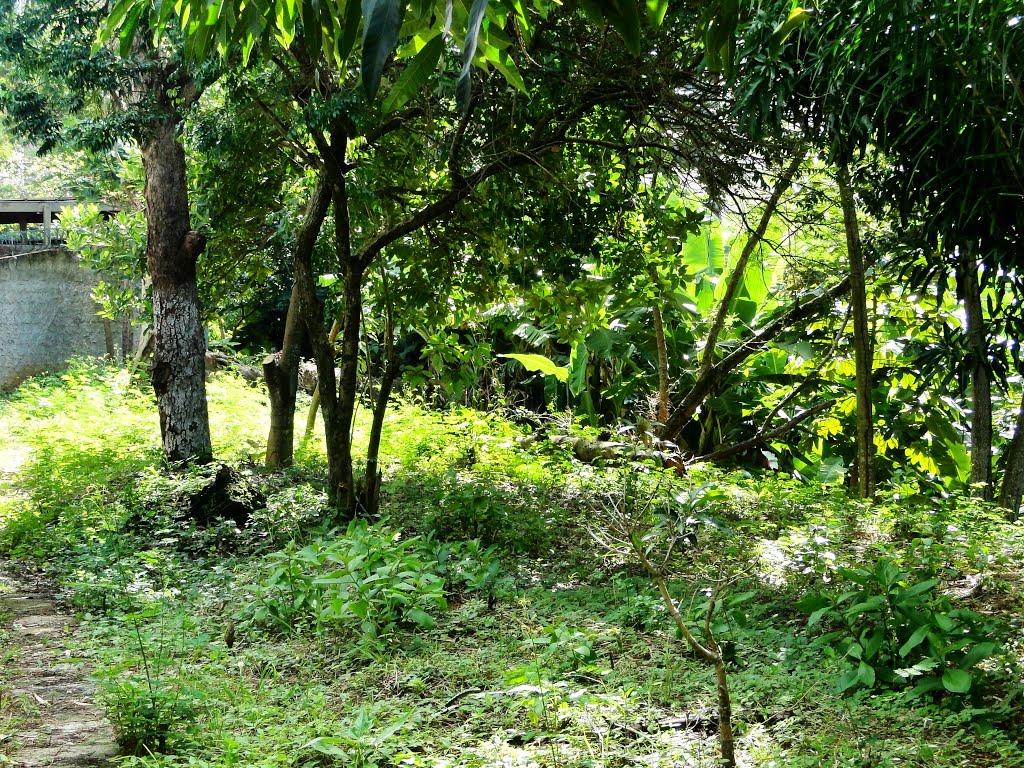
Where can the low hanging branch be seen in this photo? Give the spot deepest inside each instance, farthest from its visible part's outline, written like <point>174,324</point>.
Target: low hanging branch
<point>763,437</point>
<point>810,307</point>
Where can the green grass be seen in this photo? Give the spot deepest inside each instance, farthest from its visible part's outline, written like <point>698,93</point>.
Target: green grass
<point>564,656</point>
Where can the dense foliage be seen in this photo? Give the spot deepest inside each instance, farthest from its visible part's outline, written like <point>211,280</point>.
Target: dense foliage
<point>401,642</point>
<point>710,312</point>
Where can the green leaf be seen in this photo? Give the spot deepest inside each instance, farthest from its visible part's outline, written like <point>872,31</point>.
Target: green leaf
<point>916,589</point>
<point>956,681</point>
<point>848,679</point>
<point>541,364</point>
<point>978,653</point>
<point>350,30</point>
<point>624,17</point>
<point>118,12</point>
<point>925,686</point>
<point>463,86</point>
<point>127,35</point>
<point>578,360</point>
<point>914,640</point>
<point>815,616</point>
<point>504,64</point>
<point>415,75</point>
<point>872,641</point>
<point>796,18</point>
<point>421,617</point>
<point>656,10</point>
<point>866,675</point>
<point>812,603</point>
<point>382,22</point>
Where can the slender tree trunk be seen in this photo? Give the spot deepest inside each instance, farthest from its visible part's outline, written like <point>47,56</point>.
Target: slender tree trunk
<point>314,401</point>
<point>178,370</point>
<point>659,340</point>
<point>108,338</point>
<point>127,340</point>
<point>863,344</point>
<point>339,433</point>
<point>392,368</point>
<point>709,374</point>
<point>323,351</point>
<point>739,270</point>
<point>981,386</point>
<point>281,371</point>
<point>337,393</point>
<point>1013,477</point>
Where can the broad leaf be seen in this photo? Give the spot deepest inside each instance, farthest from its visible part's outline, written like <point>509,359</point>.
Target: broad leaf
<point>914,640</point>
<point>415,75</point>
<point>656,10</point>
<point>382,22</point>
<point>464,86</point>
<point>866,675</point>
<point>578,360</point>
<point>541,364</point>
<point>956,681</point>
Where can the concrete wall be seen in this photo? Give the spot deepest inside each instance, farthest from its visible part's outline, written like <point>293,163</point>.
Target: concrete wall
<point>46,314</point>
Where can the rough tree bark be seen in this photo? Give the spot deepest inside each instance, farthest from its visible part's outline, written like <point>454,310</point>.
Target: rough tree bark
<point>172,249</point>
<point>281,371</point>
<point>981,385</point>
<point>281,374</point>
<point>863,344</point>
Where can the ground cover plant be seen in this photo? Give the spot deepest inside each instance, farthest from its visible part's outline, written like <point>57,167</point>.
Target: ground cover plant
<point>480,621</point>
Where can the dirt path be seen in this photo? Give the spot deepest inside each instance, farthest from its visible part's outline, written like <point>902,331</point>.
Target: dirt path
<point>48,715</point>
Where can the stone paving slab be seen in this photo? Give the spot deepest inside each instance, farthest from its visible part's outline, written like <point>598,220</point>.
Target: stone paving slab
<point>63,726</point>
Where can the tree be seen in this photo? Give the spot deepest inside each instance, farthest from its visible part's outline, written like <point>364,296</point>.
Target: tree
<point>924,86</point>
<point>51,97</point>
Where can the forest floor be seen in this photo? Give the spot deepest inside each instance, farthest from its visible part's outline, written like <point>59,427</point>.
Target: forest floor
<point>492,615</point>
<point>48,713</point>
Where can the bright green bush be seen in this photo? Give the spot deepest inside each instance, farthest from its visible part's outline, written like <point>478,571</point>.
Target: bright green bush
<point>369,581</point>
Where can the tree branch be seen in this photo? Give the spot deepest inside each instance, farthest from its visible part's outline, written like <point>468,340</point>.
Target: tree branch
<point>763,437</point>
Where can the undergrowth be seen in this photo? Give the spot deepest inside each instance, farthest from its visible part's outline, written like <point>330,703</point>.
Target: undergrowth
<point>479,623</point>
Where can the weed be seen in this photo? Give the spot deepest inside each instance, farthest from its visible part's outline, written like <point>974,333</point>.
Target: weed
<point>896,631</point>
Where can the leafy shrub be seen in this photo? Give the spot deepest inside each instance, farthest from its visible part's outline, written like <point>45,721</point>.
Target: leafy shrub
<point>895,630</point>
<point>147,708</point>
<point>369,580</point>
<point>145,716</point>
<point>489,509</point>
<point>467,566</point>
<point>565,647</point>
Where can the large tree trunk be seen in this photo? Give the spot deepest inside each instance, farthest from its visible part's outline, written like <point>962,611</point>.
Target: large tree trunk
<point>1013,477</point>
<point>863,344</point>
<point>981,386</point>
<point>172,249</point>
<point>281,371</point>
